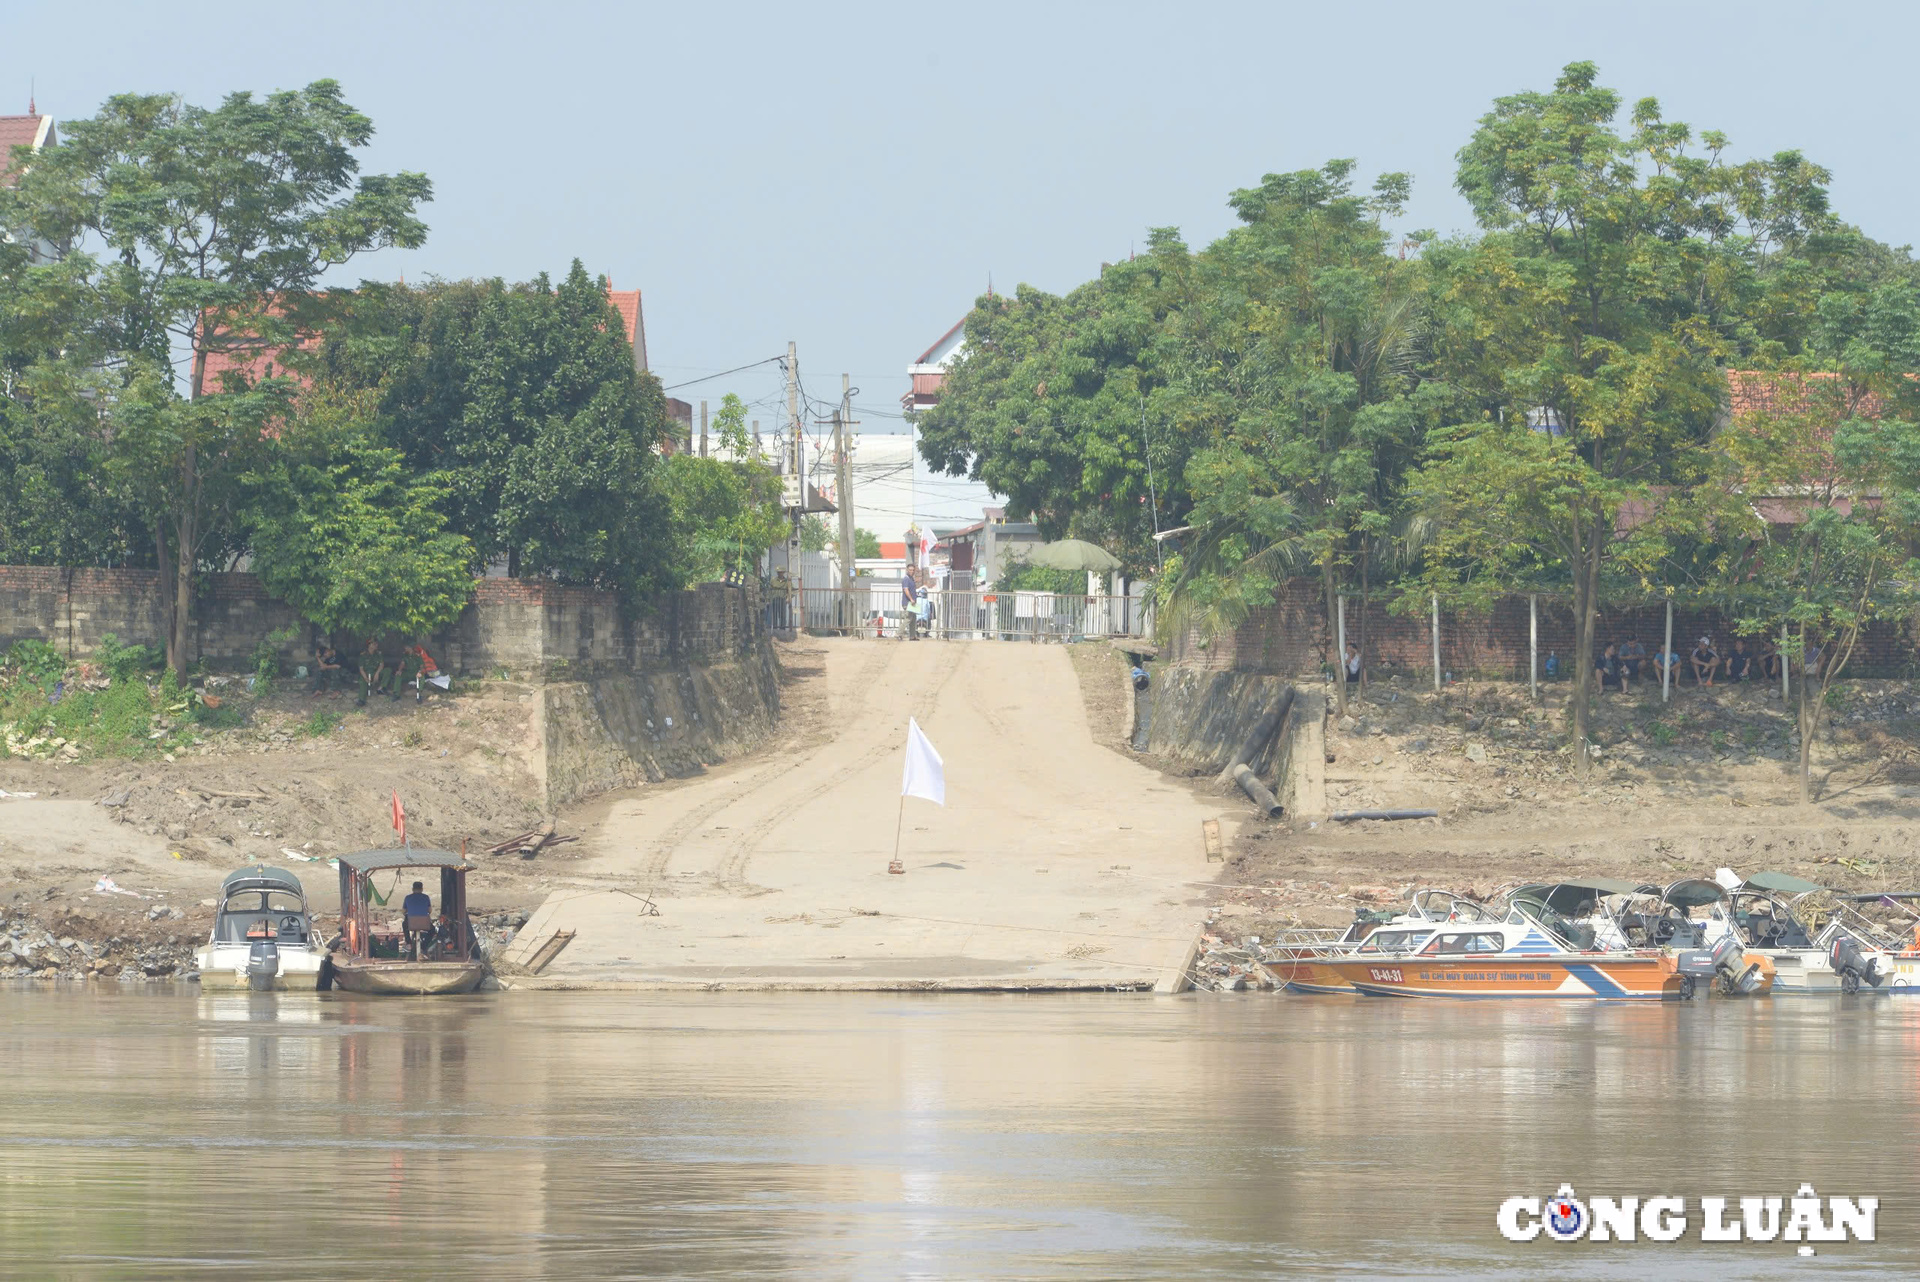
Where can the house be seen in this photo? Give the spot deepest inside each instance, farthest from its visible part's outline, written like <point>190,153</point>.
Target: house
<point>978,553</point>
<point>929,370</point>
<point>36,133</point>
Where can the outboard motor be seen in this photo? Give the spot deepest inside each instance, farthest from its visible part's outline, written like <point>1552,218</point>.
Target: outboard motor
<point>263,965</point>
<point>1852,965</point>
<point>1726,962</point>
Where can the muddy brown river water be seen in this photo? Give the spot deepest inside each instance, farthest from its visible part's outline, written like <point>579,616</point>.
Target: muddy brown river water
<point>173,1134</point>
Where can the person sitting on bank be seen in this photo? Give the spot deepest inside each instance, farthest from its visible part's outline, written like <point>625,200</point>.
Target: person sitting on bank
<point>1706,661</point>
<point>1633,656</point>
<point>1769,662</point>
<point>373,670</point>
<point>1739,662</point>
<point>1606,669</point>
<point>417,909</point>
<point>415,665</point>
<point>1665,663</point>
<point>327,670</point>
<point>1353,664</point>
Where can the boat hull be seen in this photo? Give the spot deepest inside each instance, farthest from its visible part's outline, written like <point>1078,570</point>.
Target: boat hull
<point>225,966</point>
<point>408,979</point>
<point>1565,978</point>
<point>1307,973</point>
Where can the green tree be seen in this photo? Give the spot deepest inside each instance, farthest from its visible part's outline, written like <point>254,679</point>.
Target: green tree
<point>522,403</point>
<point>815,533</point>
<point>866,545</point>
<point>205,231</point>
<point>730,428</point>
<point>1573,324</point>
<point>342,534</point>
<point>1296,362</point>
<point>1822,492</point>
<point>725,515</point>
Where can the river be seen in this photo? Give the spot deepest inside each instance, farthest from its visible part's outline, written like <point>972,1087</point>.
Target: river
<point>155,1134</point>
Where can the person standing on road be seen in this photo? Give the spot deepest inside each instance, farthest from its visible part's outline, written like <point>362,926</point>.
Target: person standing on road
<point>909,595</point>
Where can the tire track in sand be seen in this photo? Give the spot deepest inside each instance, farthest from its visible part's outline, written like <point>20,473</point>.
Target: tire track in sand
<point>730,873</point>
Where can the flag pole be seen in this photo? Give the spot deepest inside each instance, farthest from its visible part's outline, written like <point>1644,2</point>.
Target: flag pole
<point>899,826</point>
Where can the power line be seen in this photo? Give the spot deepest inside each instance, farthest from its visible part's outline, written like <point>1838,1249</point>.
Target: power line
<point>723,373</point>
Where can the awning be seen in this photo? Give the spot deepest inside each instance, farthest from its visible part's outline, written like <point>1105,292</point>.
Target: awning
<point>1783,882</point>
<point>418,857</point>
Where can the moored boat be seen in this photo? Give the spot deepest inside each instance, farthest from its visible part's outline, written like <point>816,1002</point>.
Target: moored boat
<point>1818,942</point>
<point>1298,960</point>
<point>1536,951</point>
<point>263,935</point>
<point>422,954</point>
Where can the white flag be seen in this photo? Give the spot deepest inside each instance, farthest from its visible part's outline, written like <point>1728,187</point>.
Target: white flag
<point>925,774</point>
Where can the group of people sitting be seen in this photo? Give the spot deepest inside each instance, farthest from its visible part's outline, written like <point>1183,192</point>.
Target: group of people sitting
<point>378,674</point>
<point>1618,666</point>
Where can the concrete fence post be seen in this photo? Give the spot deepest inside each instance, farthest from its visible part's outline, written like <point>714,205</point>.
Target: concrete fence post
<point>1533,647</point>
<point>1666,659</point>
<point>1436,643</point>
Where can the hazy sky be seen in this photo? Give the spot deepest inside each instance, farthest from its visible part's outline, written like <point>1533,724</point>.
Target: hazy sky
<point>847,176</point>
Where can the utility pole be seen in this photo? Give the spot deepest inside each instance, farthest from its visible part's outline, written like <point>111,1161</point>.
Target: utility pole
<point>843,490</point>
<point>703,429</point>
<point>796,487</point>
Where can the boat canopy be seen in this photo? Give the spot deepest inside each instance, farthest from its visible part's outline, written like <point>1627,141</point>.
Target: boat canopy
<point>418,857</point>
<point>1564,897</point>
<point>1694,892</point>
<point>1782,882</point>
<point>261,877</point>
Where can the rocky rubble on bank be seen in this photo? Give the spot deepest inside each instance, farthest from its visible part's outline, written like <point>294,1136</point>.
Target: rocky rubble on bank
<point>57,941</point>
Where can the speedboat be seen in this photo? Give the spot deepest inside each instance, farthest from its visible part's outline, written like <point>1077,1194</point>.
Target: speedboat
<point>1817,941</point>
<point>1298,959</point>
<point>263,934</point>
<point>1693,919</point>
<point>1537,949</point>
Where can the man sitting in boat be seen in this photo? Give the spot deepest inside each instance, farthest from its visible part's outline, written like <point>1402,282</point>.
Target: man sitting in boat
<point>418,910</point>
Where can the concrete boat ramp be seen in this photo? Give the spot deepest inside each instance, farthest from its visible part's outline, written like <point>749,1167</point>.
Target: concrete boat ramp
<point>1057,863</point>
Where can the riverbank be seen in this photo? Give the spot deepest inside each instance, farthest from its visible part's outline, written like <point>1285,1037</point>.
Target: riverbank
<point>1678,789</point>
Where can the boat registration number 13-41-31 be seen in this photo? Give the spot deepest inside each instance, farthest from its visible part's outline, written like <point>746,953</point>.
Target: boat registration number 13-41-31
<point>1386,974</point>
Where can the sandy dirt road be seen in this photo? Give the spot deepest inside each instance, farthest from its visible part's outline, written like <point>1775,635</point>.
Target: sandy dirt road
<point>1056,862</point>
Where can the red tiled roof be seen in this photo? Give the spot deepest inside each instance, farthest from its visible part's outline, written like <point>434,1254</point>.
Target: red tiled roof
<point>1760,392</point>
<point>627,303</point>
<point>19,131</point>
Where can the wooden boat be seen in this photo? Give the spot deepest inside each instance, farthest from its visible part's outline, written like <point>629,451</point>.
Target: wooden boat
<point>1534,952</point>
<point>397,961</point>
<point>260,905</point>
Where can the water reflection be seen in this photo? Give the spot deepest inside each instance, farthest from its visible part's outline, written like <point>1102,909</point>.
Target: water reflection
<point>607,1135</point>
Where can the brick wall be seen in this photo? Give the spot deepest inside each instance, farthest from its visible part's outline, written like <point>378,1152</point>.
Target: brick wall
<point>1291,637</point>
<point>525,627</point>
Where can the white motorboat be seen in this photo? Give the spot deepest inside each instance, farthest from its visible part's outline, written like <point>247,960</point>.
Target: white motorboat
<point>263,935</point>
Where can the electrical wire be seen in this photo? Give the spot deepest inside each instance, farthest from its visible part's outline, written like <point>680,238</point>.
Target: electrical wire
<point>723,373</point>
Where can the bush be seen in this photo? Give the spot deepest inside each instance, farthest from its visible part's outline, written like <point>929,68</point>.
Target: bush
<point>36,660</point>
<point>266,658</point>
<point>123,663</point>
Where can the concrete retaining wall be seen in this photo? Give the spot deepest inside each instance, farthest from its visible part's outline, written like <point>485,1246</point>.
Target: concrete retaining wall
<point>1291,637</point>
<point>688,683</point>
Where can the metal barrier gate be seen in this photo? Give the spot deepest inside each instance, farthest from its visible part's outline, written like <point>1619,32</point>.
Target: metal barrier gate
<point>876,608</point>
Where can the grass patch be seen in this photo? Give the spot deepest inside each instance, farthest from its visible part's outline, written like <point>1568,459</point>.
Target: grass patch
<point>320,723</point>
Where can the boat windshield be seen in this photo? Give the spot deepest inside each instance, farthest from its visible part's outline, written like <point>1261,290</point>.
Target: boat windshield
<point>264,901</point>
<point>1394,941</point>
<point>1457,942</point>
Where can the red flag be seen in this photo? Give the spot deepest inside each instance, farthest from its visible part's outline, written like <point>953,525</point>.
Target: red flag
<point>399,817</point>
